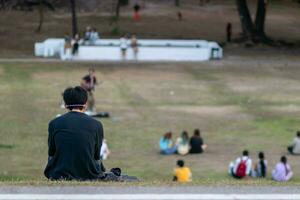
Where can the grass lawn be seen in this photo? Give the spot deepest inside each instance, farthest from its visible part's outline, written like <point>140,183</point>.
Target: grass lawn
<point>236,104</point>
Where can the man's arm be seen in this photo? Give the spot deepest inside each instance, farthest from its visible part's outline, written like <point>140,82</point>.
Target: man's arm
<point>249,167</point>
<point>236,163</point>
<point>98,143</point>
<point>51,143</point>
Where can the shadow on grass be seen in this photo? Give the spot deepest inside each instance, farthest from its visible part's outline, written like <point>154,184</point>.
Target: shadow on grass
<point>7,146</point>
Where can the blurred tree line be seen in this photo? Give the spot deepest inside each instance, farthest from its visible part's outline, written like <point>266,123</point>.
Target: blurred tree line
<point>253,29</point>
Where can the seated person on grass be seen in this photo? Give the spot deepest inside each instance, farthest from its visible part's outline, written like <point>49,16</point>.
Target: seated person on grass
<point>294,148</point>
<point>182,144</point>
<point>260,168</point>
<point>182,174</point>
<point>166,144</point>
<point>282,171</point>
<point>74,143</point>
<point>196,143</point>
<point>241,168</point>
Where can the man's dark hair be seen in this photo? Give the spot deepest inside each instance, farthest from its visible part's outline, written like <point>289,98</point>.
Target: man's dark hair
<point>261,155</point>
<point>298,134</point>
<point>180,163</point>
<point>283,159</point>
<point>75,97</point>
<point>197,132</point>
<point>245,153</point>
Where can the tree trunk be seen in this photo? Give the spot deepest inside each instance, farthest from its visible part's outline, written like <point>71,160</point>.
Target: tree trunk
<point>74,17</point>
<point>177,3</point>
<point>41,16</point>
<point>261,18</point>
<point>245,18</point>
<point>118,9</point>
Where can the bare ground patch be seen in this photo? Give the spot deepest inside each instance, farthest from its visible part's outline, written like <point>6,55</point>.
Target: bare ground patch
<point>225,112</point>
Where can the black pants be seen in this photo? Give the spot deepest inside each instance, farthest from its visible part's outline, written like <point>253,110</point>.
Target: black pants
<point>290,149</point>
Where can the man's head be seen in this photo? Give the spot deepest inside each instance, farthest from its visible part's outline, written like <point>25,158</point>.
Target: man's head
<point>91,71</point>
<point>180,163</point>
<point>245,153</point>
<point>298,134</point>
<point>197,132</point>
<point>75,98</point>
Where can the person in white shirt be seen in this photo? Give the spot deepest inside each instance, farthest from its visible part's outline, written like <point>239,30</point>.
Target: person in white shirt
<point>104,152</point>
<point>294,148</point>
<point>123,46</point>
<point>241,168</point>
<point>94,36</point>
<point>87,35</point>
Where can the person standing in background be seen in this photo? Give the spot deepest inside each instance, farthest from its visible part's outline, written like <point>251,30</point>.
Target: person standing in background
<point>136,13</point>
<point>88,83</point>
<point>123,46</point>
<point>134,46</point>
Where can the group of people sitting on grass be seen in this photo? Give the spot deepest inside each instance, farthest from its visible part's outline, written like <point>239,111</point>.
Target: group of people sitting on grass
<point>243,167</point>
<point>183,145</point>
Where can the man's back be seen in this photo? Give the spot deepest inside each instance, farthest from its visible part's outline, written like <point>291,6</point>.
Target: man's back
<point>196,145</point>
<point>74,144</point>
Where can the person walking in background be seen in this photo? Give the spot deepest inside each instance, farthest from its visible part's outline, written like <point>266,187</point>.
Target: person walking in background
<point>88,83</point>
<point>260,168</point>
<point>228,32</point>
<point>196,143</point>
<point>123,46</point>
<point>136,12</point>
<point>67,55</point>
<point>104,152</point>
<point>182,174</point>
<point>282,171</point>
<point>75,44</point>
<point>182,144</point>
<point>294,148</point>
<point>166,144</point>
<point>241,168</point>
<point>134,46</point>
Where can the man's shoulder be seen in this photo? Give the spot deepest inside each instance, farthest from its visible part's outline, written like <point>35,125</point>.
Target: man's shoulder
<point>93,121</point>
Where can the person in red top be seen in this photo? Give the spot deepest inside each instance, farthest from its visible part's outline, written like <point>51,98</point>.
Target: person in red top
<point>88,83</point>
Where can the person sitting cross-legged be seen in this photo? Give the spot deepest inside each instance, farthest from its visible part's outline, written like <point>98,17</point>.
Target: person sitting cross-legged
<point>282,171</point>
<point>241,168</point>
<point>294,148</point>
<point>196,143</point>
<point>260,168</point>
<point>182,174</point>
<point>74,143</point>
<point>166,144</point>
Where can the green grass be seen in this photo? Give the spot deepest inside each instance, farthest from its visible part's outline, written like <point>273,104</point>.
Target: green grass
<point>236,107</point>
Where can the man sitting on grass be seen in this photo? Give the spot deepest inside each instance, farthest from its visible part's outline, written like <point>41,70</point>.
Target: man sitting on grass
<point>75,141</point>
<point>294,148</point>
<point>241,168</point>
<point>182,174</point>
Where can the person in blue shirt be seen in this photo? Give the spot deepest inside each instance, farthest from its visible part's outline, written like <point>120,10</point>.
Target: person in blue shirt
<point>166,144</point>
